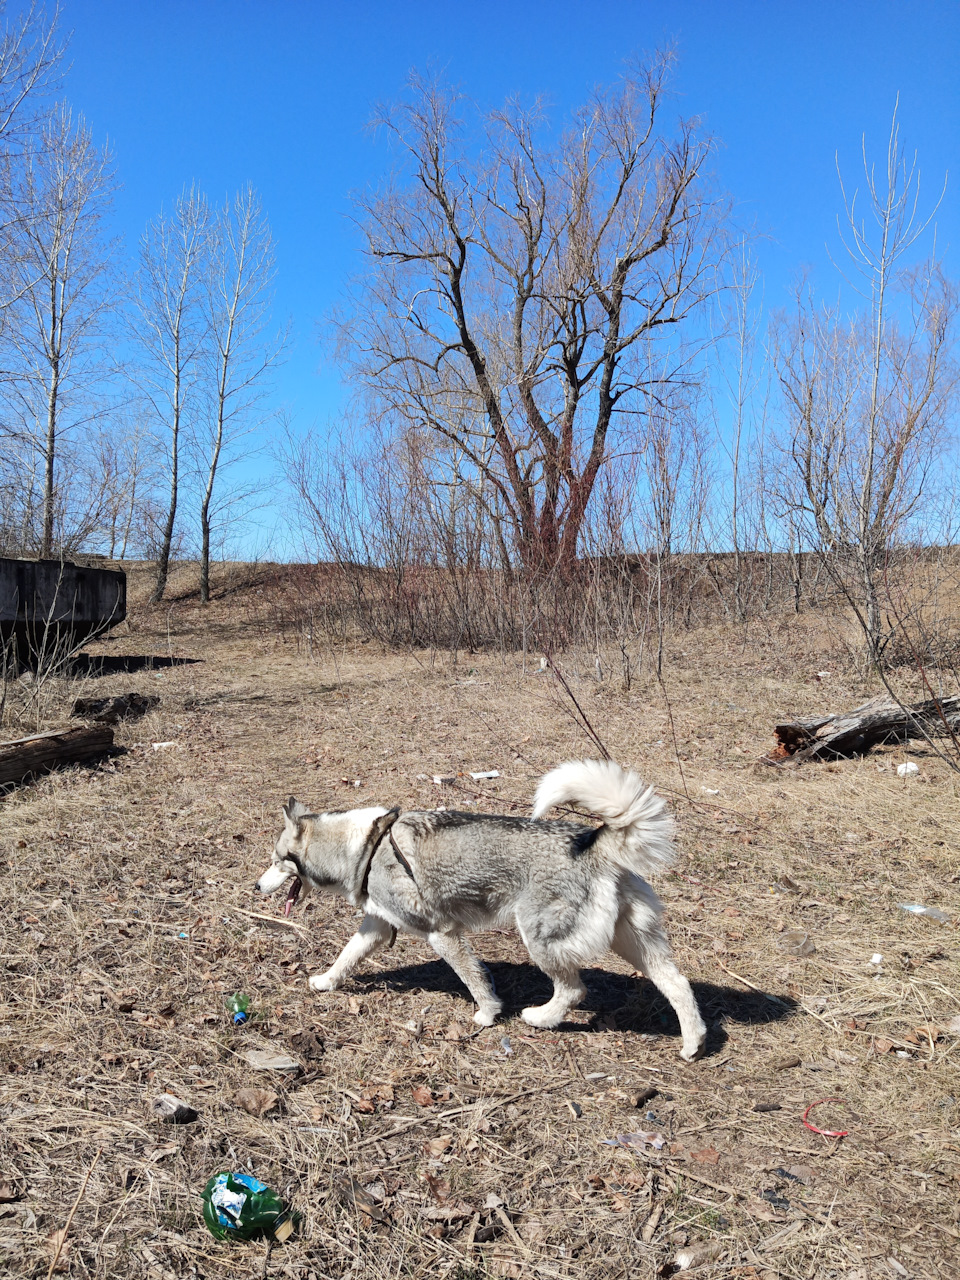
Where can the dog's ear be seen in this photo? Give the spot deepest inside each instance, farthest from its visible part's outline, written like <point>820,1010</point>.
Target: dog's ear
<point>293,811</point>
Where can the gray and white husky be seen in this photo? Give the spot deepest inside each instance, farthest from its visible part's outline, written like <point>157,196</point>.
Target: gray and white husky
<point>573,891</point>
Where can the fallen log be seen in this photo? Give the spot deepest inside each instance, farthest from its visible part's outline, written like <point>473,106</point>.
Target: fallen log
<point>126,706</point>
<point>43,751</point>
<point>854,732</point>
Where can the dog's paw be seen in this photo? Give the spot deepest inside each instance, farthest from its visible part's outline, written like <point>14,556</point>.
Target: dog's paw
<point>323,982</point>
<point>690,1053</point>
<point>487,1017</point>
<point>541,1016</point>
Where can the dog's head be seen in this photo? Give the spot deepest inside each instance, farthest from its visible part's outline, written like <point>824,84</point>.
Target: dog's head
<point>290,854</point>
<point>320,851</point>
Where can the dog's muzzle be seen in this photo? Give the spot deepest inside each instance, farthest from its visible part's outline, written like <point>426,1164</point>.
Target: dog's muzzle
<point>271,880</point>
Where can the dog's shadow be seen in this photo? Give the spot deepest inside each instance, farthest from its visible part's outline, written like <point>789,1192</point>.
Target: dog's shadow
<point>617,1001</point>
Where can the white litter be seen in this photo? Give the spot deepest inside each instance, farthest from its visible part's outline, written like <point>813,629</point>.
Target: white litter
<point>162,746</point>
<point>907,770</point>
<point>710,791</point>
<point>442,781</point>
<point>490,773</point>
<point>876,958</point>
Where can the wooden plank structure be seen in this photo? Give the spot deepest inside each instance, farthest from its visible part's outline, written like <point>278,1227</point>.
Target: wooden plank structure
<point>43,751</point>
<point>882,719</point>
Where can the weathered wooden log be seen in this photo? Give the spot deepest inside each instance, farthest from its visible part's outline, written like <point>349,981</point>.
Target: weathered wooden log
<point>855,732</point>
<point>43,751</point>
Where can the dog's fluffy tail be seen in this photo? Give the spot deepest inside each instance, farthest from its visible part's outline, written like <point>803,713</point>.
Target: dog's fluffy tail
<point>624,802</point>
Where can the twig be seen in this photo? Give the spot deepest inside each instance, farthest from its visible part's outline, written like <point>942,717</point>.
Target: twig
<point>684,1172</point>
<point>73,1210</point>
<point>652,1222</point>
<point>274,922</point>
<point>673,734</point>
<point>471,1233</point>
<point>584,720</point>
<point>455,1111</point>
<point>511,1231</point>
<point>753,986</point>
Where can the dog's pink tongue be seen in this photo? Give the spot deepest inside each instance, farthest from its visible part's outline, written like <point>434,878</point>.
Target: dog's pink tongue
<point>293,893</point>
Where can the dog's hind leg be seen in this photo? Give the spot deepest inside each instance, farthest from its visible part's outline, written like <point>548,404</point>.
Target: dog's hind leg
<point>568,991</point>
<point>370,937</point>
<point>455,949</point>
<point>639,939</point>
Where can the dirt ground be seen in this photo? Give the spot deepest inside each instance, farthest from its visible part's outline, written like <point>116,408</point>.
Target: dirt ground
<point>412,1143</point>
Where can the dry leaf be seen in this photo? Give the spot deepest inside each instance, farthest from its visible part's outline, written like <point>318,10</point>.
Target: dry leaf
<point>449,1211</point>
<point>355,1197</point>
<point>637,1140</point>
<point>795,942</point>
<point>929,1032</point>
<point>364,1106</point>
<point>439,1188</point>
<point>353,1005</point>
<point>709,1155</point>
<point>257,1102</point>
<point>267,1060</point>
<point>687,1259</point>
<point>422,1096</point>
<point>437,1146</point>
<point>881,1045</point>
<point>619,1203</point>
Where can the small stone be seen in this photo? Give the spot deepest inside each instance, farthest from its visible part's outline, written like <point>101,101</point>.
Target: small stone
<point>173,1110</point>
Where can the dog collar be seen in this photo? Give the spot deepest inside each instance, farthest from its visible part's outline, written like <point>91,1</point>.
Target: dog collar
<point>399,856</point>
<point>385,823</point>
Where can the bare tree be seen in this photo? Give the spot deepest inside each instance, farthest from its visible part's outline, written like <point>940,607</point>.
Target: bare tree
<point>513,280</point>
<point>30,57</point>
<point>171,326</point>
<point>63,295</point>
<point>238,276</point>
<point>867,399</point>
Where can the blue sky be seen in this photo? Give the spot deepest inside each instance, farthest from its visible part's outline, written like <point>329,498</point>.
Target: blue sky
<point>278,92</point>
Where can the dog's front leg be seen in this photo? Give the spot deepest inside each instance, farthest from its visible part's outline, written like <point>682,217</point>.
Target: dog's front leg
<point>471,972</point>
<point>370,937</point>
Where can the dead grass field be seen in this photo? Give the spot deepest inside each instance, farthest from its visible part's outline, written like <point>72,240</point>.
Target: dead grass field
<point>128,892</point>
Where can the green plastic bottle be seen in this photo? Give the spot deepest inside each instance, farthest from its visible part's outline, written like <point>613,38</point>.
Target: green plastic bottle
<point>238,1006</point>
<point>237,1206</point>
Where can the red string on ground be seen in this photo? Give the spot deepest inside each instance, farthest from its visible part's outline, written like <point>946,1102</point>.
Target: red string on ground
<point>827,1133</point>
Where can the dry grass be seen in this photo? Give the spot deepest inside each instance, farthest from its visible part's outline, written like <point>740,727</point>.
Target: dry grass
<point>127,893</point>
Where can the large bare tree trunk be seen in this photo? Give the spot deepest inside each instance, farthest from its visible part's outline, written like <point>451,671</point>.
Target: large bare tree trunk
<point>171,331</point>
<point>517,284</point>
<point>240,275</point>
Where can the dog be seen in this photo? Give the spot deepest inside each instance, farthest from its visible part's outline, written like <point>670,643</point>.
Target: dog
<point>572,890</point>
